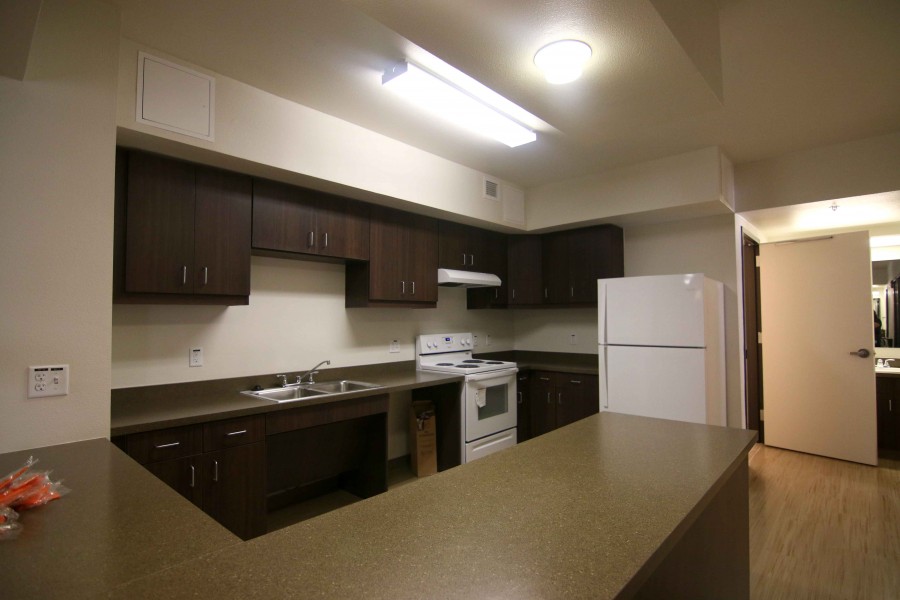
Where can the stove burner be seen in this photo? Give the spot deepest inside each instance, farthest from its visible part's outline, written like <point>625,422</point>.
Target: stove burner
<point>473,360</point>
<point>465,366</point>
<point>444,364</point>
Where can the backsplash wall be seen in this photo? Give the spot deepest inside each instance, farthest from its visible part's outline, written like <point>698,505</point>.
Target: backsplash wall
<point>295,319</point>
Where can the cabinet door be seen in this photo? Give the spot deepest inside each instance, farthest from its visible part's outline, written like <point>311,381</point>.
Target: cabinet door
<point>555,268</point>
<point>387,246</point>
<point>577,397</point>
<point>421,257</point>
<point>182,475</point>
<point>234,490</point>
<point>887,412</point>
<point>523,414</point>
<point>222,233</point>
<point>283,219</point>
<point>342,228</point>
<point>524,270</point>
<point>454,248</point>
<point>159,241</point>
<point>543,403</point>
<point>583,265</point>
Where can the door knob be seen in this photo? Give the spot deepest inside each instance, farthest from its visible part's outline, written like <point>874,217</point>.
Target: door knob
<point>862,353</point>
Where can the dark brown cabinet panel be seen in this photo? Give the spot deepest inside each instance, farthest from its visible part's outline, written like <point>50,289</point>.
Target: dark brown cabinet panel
<point>222,233</point>
<point>558,399</point>
<point>466,248</point>
<point>402,266</point>
<point>220,466</point>
<point>523,410</point>
<point>291,219</point>
<point>524,270</point>
<point>186,232</point>
<point>493,251</point>
<point>573,261</point>
<point>159,241</point>
<point>888,411</point>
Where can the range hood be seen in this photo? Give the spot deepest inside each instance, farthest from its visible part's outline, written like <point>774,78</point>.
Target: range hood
<point>455,278</point>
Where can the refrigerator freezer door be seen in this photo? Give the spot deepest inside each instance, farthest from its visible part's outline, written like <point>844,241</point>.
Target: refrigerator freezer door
<point>667,383</point>
<point>662,310</point>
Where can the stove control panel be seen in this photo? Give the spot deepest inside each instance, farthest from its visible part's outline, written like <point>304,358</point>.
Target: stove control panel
<point>444,342</point>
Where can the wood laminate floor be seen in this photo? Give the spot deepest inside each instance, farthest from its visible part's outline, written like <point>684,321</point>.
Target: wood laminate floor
<point>823,528</point>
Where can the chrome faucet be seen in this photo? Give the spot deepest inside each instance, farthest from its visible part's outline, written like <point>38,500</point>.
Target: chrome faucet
<point>888,361</point>
<point>312,372</point>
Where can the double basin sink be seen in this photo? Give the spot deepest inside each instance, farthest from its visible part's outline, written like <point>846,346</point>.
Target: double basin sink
<point>306,391</point>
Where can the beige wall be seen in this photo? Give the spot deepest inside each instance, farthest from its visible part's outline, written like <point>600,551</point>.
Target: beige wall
<point>56,188</point>
<point>296,318</point>
<point>857,168</point>
<point>278,138</point>
<point>691,184</point>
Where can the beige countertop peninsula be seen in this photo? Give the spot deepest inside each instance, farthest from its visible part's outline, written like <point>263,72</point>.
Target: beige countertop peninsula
<point>595,509</point>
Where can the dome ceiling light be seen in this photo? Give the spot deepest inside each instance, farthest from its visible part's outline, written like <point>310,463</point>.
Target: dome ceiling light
<point>562,61</point>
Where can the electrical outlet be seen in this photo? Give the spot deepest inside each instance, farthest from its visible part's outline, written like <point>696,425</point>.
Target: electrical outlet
<point>196,357</point>
<point>51,380</point>
<point>474,340</point>
<point>395,347</point>
<point>573,339</point>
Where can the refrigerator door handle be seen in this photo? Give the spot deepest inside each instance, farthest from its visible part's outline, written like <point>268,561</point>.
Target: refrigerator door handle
<point>604,379</point>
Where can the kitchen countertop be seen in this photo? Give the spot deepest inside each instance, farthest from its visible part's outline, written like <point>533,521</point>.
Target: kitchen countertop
<point>154,407</point>
<point>583,511</point>
<point>116,524</point>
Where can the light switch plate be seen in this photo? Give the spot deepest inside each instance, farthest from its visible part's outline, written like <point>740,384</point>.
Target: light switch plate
<point>48,380</point>
<point>394,347</point>
<point>196,357</point>
<point>573,339</point>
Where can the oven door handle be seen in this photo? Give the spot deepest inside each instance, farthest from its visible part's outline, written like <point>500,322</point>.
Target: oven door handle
<point>504,374</point>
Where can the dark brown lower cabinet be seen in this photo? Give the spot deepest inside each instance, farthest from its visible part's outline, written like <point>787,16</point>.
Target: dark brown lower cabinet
<point>225,475</point>
<point>523,410</point>
<point>888,410</point>
<point>557,399</point>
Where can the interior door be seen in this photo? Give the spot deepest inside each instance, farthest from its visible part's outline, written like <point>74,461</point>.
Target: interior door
<point>818,341</point>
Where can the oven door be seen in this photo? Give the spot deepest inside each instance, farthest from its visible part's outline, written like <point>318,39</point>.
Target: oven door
<point>490,403</point>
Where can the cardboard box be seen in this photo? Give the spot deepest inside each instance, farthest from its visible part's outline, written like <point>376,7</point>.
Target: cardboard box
<point>422,438</point>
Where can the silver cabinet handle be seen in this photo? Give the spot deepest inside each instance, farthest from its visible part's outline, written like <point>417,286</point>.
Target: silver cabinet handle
<point>544,378</point>
<point>216,471</point>
<point>193,475</point>
<point>310,239</point>
<point>403,290</point>
<point>471,260</point>
<point>519,394</point>
<point>496,293</point>
<point>572,291</point>
<point>242,431</point>
<point>575,381</point>
<point>205,275</point>
<point>170,445</point>
<point>514,293</point>
<point>548,398</point>
<point>464,259</point>
<point>184,275</point>
<point>325,240</point>
<point>413,288</point>
<point>559,398</point>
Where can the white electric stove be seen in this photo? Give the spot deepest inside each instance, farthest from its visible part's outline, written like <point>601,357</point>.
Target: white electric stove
<point>488,403</point>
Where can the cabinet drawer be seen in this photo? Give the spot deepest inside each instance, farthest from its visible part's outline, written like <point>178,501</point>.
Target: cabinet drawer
<point>165,444</point>
<point>218,435</point>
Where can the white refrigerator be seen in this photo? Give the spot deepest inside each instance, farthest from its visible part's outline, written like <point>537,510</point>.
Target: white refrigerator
<point>662,347</point>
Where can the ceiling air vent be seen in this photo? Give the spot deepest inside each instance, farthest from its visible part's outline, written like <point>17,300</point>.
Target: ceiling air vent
<point>491,189</point>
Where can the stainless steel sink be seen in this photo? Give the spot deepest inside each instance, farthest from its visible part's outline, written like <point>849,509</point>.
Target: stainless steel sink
<point>306,391</point>
<point>341,387</point>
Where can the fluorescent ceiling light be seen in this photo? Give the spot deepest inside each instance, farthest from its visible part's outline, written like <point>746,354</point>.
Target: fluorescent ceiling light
<point>451,103</point>
<point>562,61</point>
<point>882,241</point>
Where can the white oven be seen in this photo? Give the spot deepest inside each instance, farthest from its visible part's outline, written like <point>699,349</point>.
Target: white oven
<point>488,408</point>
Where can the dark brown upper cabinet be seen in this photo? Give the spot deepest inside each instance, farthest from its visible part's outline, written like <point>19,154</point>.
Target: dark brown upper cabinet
<point>183,232</point>
<point>494,260</point>
<point>464,248</point>
<point>573,261</point>
<point>525,280</point>
<point>290,219</point>
<point>403,262</point>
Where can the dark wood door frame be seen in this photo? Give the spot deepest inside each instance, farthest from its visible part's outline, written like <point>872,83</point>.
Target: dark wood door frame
<point>753,390</point>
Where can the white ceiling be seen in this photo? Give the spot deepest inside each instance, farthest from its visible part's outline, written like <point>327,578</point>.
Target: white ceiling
<point>759,78</point>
